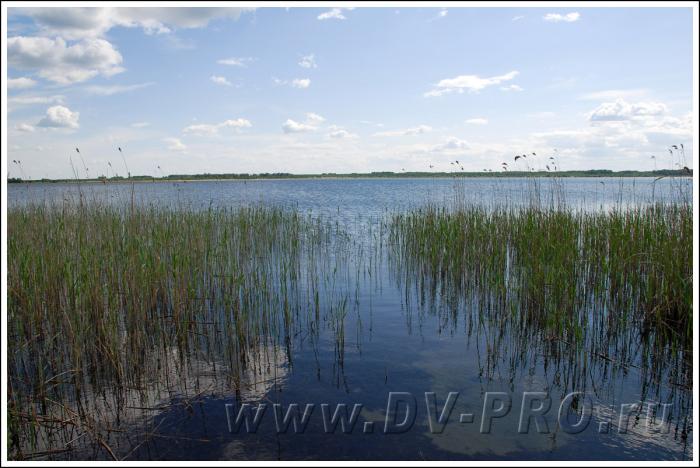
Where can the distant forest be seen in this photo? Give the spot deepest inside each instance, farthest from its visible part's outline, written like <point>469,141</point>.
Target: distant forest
<point>356,175</point>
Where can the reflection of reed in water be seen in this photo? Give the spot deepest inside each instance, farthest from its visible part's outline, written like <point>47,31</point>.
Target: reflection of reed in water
<point>587,297</point>
<point>116,423</point>
<point>112,310</point>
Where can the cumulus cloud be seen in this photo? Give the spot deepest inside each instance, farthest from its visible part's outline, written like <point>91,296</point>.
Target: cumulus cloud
<point>311,124</point>
<point>477,121</point>
<point>20,83</point>
<point>620,110</point>
<point>471,83</point>
<point>220,80</point>
<point>91,22</point>
<point>301,83</point>
<point>334,13</point>
<point>307,61</point>
<point>420,129</point>
<point>619,129</point>
<point>174,144</point>
<point>292,126</point>
<point>89,55</point>
<point>55,60</point>
<point>59,117</point>
<point>213,129</point>
<point>558,18</point>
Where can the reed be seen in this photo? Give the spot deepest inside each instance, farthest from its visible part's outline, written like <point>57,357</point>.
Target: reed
<point>613,286</point>
<point>106,302</point>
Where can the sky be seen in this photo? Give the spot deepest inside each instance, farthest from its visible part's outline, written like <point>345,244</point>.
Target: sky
<point>314,90</point>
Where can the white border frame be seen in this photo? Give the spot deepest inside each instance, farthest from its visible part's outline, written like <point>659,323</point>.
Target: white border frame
<point>394,4</point>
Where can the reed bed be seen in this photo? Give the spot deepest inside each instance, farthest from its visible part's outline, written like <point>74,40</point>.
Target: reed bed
<point>608,286</point>
<point>105,301</point>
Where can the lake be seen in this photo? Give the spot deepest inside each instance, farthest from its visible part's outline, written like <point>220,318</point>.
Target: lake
<point>422,376</point>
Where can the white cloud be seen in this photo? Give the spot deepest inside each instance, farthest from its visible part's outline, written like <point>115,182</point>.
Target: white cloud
<point>292,126</point>
<point>558,18</point>
<point>301,83</point>
<point>236,61</point>
<point>201,129</point>
<point>477,121</point>
<point>237,123</point>
<point>180,17</point>
<point>174,144</point>
<point>20,83</point>
<point>140,124</point>
<point>91,22</point>
<point>517,18</point>
<point>620,110</point>
<point>25,127</point>
<point>420,129</point>
<point>311,124</point>
<point>17,101</point>
<point>512,87</point>
<point>59,117</point>
<point>116,89</point>
<point>213,129</point>
<point>220,80</point>
<point>61,63</point>
<point>340,133</point>
<point>314,118</point>
<point>620,133</point>
<point>334,13</point>
<point>307,61</point>
<point>471,83</point>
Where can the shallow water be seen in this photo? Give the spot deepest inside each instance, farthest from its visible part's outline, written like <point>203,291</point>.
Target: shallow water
<point>397,341</point>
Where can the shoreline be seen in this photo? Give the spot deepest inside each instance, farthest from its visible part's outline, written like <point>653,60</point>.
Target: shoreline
<point>570,175</point>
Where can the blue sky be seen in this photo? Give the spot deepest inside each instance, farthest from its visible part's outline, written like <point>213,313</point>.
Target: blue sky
<point>310,90</point>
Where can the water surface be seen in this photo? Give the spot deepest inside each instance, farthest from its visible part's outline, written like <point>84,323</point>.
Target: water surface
<point>395,340</point>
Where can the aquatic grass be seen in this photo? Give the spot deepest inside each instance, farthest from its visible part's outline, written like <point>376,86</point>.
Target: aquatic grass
<point>598,282</point>
<point>105,300</point>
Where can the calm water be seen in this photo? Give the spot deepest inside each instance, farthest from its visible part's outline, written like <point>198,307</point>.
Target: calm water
<point>396,341</point>
<point>347,198</point>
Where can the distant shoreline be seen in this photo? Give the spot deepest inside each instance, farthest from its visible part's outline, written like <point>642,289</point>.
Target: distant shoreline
<point>370,175</point>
